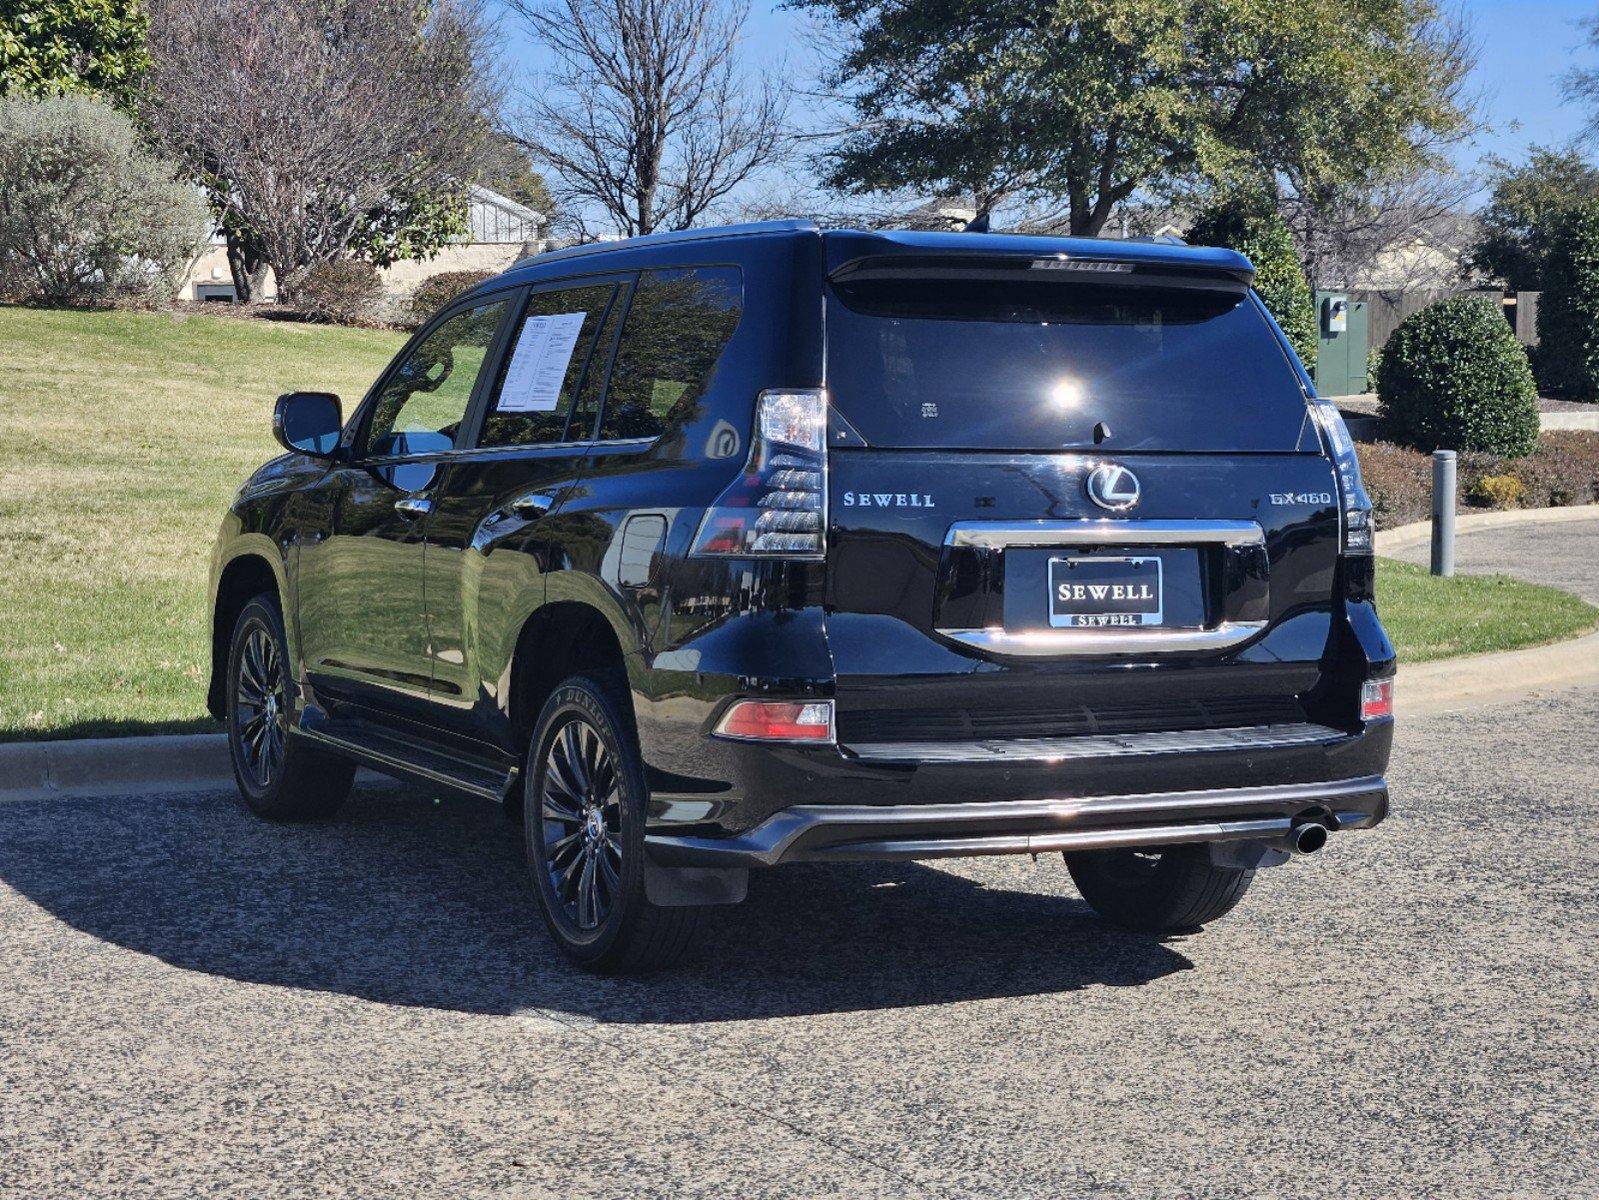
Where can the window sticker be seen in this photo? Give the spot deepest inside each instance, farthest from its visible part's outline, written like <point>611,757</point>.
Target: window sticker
<point>539,362</point>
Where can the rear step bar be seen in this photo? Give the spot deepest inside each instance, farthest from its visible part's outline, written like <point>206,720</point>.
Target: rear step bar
<point>817,833</point>
<point>1100,745</point>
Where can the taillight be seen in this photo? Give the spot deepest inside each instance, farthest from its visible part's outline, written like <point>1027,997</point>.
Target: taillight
<point>1376,699</point>
<point>778,506</point>
<point>1354,506</point>
<point>778,721</point>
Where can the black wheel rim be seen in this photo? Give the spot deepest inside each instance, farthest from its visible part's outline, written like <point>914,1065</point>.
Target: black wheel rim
<point>580,825</point>
<point>261,710</point>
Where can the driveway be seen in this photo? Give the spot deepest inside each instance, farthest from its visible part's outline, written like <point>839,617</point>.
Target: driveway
<point>1563,555</point>
<point>196,1003</point>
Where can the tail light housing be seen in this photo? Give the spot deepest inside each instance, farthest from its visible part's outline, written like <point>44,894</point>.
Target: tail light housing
<point>777,508</point>
<point>1377,699</point>
<point>778,721</point>
<point>1354,506</point>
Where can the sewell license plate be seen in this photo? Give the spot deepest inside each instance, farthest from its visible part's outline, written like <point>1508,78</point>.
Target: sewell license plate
<point>1103,592</point>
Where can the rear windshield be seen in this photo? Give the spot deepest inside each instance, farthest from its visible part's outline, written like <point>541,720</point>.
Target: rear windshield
<point>1034,364</point>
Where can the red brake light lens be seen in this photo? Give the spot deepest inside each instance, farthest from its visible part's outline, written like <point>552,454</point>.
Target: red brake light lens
<point>778,721</point>
<point>1376,699</point>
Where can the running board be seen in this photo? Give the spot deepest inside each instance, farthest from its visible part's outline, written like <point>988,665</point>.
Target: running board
<point>405,758</point>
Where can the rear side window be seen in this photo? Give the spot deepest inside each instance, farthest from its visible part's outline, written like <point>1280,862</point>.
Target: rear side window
<point>1036,360</point>
<point>677,326</point>
<point>544,366</point>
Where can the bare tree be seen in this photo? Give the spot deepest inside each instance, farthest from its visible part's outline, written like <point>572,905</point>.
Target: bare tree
<point>1381,234</point>
<point>323,128</point>
<point>645,114</point>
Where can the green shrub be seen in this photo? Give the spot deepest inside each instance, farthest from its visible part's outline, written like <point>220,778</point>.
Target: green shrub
<point>87,214</point>
<point>1454,377</point>
<point>1255,230</point>
<point>346,291</point>
<point>1398,481</point>
<point>1498,491</point>
<point>1568,311</point>
<point>434,292</point>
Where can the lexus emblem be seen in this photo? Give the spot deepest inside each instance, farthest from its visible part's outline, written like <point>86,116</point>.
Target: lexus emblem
<point>1113,486</point>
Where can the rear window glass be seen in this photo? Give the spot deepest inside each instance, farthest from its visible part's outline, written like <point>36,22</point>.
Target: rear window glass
<point>1028,364</point>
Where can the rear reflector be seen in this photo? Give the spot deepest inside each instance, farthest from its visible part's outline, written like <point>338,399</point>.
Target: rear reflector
<point>778,721</point>
<point>1376,699</point>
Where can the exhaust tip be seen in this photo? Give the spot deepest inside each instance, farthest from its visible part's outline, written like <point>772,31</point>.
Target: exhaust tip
<point>1308,838</point>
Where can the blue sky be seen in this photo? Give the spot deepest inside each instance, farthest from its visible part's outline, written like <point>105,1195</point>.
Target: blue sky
<point>1524,47</point>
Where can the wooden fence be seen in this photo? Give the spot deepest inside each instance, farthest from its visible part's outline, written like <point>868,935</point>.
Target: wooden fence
<point>1384,310</point>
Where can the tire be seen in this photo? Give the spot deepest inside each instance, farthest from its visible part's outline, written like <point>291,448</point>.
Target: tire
<point>584,802</point>
<point>281,778</point>
<point>1161,890</point>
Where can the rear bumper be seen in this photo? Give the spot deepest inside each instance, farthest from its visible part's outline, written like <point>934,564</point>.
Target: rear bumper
<point>831,833</point>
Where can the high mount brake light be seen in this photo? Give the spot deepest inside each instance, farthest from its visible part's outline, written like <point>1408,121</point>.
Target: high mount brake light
<point>778,721</point>
<point>778,507</point>
<point>1354,506</point>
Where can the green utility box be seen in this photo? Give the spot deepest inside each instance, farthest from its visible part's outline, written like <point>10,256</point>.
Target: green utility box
<point>1341,345</point>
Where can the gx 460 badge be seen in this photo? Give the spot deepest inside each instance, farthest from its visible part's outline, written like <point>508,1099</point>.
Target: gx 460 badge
<point>1281,498</point>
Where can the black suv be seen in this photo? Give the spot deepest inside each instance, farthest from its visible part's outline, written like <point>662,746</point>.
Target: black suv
<point>767,544</point>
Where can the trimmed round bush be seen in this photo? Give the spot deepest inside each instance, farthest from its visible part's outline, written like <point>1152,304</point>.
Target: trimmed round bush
<point>346,291</point>
<point>87,214</point>
<point>434,292</point>
<point>1568,310</point>
<point>1454,377</point>
<point>1256,231</point>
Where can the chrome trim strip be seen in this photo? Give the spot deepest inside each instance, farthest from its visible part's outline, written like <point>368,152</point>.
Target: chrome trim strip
<point>1082,839</point>
<point>1109,745</point>
<point>784,834</point>
<point>1104,532</point>
<point>1044,643</point>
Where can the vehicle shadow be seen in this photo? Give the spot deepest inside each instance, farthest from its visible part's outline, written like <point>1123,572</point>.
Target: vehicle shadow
<point>404,899</point>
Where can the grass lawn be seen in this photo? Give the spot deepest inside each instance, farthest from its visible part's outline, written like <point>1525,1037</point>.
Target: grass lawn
<point>123,436</point>
<point>1430,618</point>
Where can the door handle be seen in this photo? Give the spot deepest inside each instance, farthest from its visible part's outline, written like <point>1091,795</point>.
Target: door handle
<point>412,507</point>
<point>531,507</point>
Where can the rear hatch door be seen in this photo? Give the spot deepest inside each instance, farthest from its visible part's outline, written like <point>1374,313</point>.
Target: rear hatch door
<point>1068,502</point>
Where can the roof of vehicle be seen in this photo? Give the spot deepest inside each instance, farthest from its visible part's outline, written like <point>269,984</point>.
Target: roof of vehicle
<point>843,244</point>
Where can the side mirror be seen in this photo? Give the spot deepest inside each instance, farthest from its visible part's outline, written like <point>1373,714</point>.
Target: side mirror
<point>308,423</point>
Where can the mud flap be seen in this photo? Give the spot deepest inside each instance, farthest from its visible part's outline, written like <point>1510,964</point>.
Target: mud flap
<point>682,887</point>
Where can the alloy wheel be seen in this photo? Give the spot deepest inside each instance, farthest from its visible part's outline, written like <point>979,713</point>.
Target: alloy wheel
<point>580,824</point>
<point>261,714</point>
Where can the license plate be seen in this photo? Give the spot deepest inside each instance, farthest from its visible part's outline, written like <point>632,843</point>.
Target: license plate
<point>1103,592</point>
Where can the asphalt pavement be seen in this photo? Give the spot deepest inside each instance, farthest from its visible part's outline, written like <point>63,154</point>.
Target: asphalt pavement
<point>195,1003</point>
<point>1565,556</point>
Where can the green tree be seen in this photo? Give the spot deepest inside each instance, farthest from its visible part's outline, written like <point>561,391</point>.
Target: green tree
<point>1525,204</point>
<point>1568,311</point>
<point>1088,101</point>
<point>509,171</point>
<point>1254,229</point>
<point>50,47</point>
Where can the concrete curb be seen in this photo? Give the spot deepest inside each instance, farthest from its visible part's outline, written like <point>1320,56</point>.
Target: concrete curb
<point>1485,680</point>
<point>107,766</point>
<point>1420,532</point>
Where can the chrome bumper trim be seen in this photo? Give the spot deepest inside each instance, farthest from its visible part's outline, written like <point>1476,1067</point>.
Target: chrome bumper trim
<point>857,831</point>
<point>1108,532</point>
<point>1049,643</point>
<point>1106,745</point>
